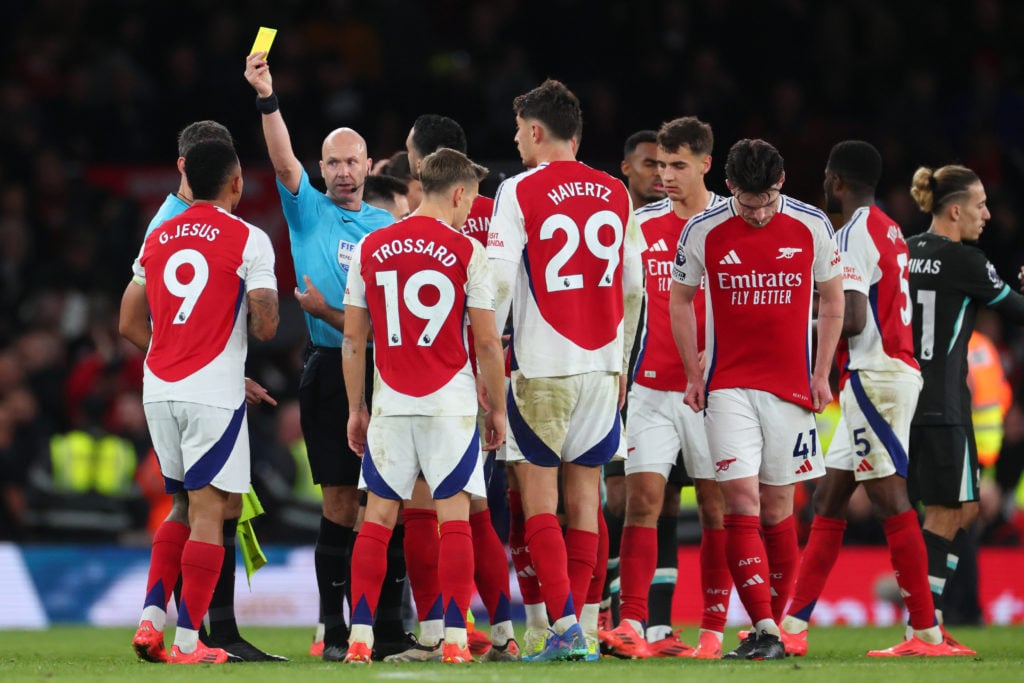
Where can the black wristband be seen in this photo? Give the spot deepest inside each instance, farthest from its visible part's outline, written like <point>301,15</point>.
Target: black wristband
<point>267,105</point>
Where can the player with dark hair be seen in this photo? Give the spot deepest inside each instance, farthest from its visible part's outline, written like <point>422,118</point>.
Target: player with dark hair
<point>666,439</point>
<point>170,536</point>
<point>879,385</point>
<point>949,282</point>
<point>207,271</point>
<point>760,255</point>
<point>417,282</point>
<point>639,166</point>
<point>388,193</point>
<point>565,249</point>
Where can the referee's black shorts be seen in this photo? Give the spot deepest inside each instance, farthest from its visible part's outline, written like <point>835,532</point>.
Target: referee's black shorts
<point>323,410</point>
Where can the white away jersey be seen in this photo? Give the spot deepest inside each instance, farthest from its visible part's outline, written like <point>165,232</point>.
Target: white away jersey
<point>416,278</point>
<point>876,264</point>
<point>760,285</point>
<point>569,228</point>
<point>197,268</point>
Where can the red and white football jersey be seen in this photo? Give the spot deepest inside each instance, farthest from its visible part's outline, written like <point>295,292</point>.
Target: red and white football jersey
<point>876,264</point>
<point>569,228</point>
<point>478,223</point>
<point>760,285</point>
<point>417,278</point>
<point>197,268</point>
<point>658,364</point>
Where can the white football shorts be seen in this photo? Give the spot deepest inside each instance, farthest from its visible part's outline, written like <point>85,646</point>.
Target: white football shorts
<point>658,425</point>
<point>200,445</point>
<point>873,435</point>
<point>754,433</point>
<point>446,449</point>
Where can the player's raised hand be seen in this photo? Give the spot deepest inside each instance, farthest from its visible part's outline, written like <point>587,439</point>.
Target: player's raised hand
<point>257,72</point>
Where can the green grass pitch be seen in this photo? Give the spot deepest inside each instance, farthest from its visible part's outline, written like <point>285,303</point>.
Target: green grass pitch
<point>83,654</point>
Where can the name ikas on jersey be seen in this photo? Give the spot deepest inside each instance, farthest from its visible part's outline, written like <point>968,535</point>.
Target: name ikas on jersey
<point>345,251</point>
<point>927,266</point>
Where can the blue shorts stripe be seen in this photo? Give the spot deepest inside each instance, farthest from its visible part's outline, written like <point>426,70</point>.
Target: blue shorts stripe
<point>375,482</point>
<point>530,445</point>
<point>458,478</point>
<point>211,462</point>
<point>880,427</point>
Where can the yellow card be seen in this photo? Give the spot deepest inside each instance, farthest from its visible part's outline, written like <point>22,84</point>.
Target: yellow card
<point>264,39</point>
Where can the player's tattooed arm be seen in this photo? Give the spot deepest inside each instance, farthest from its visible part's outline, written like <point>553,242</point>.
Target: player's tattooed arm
<point>263,313</point>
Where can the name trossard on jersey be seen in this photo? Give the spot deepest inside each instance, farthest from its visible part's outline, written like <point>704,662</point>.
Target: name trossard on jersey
<point>417,278</point>
<point>760,283</point>
<point>949,281</point>
<point>568,227</point>
<point>658,366</point>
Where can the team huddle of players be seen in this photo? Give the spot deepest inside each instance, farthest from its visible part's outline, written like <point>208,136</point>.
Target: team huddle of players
<point>741,302</point>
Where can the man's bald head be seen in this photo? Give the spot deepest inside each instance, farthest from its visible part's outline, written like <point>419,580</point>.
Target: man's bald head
<point>344,165</point>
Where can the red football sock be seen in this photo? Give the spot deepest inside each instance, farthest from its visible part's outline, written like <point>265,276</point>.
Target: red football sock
<point>491,567</point>
<point>165,563</point>
<point>910,560</point>
<point>596,589</point>
<point>550,562</point>
<point>369,565</point>
<point>715,580</point>
<point>581,551</point>
<point>200,569</point>
<point>638,558</point>
<point>746,555</point>
<point>783,553</point>
<point>820,555</point>
<point>529,587</point>
<point>421,546</point>
<point>455,569</point>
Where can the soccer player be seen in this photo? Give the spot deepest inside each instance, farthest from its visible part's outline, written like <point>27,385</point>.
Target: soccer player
<point>388,193</point>
<point>879,386</point>
<point>429,133</point>
<point>639,166</point>
<point>949,282</point>
<point>760,254</point>
<point>323,228</point>
<point>659,426</point>
<point>172,533</point>
<point>565,250</point>
<point>194,391</point>
<point>416,282</point>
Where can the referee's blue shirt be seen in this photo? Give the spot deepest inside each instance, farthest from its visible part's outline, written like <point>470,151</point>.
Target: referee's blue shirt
<point>171,207</point>
<point>324,237</point>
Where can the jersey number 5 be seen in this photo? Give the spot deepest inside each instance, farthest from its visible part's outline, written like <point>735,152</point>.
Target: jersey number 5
<point>557,281</point>
<point>435,314</point>
<point>188,291</point>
